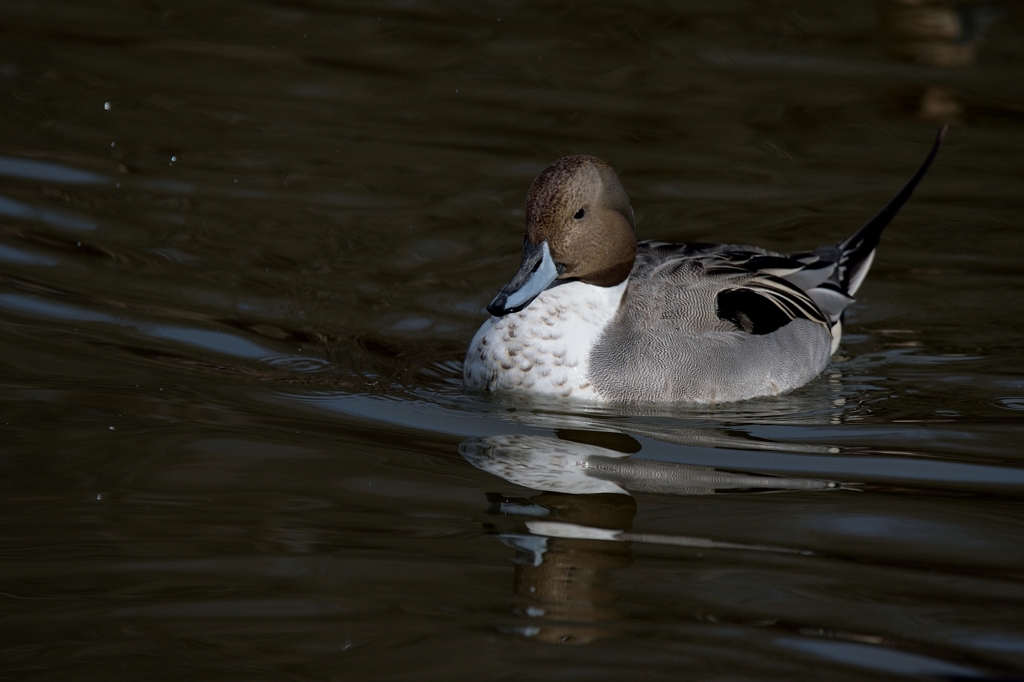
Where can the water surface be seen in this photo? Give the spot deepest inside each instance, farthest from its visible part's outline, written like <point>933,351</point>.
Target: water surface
<point>243,247</point>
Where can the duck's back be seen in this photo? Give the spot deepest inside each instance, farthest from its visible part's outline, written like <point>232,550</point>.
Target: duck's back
<point>709,323</point>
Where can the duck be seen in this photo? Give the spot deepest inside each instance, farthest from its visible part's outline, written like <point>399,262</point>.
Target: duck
<point>595,315</point>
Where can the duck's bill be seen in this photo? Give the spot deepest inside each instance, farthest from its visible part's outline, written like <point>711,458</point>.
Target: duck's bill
<point>535,275</point>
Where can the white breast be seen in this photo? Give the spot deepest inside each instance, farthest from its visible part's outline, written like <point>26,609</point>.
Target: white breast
<point>545,347</point>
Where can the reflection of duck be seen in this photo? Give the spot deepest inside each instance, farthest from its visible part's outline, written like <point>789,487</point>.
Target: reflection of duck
<point>934,33</point>
<point>566,544</point>
<point>930,103</point>
<point>564,581</point>
<point>564,466</point>
<point>593,314</point>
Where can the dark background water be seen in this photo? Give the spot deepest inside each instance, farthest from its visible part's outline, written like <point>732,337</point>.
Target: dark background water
<point>244,245</point>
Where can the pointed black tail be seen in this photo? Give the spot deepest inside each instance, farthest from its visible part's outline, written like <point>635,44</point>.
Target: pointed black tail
<point>857,252</point>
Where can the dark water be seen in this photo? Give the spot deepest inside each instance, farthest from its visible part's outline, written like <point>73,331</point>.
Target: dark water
<point>244,245</point>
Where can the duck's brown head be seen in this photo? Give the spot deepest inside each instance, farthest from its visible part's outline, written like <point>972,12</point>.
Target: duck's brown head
<point>579,226</point>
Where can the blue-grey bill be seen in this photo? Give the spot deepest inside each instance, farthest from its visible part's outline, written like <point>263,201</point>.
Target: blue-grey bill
<point>535,275</point>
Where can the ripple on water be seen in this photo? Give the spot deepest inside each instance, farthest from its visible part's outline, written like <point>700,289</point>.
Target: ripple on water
<point>1010,403</point>
<point>300,363</point>
<point>17,209</point>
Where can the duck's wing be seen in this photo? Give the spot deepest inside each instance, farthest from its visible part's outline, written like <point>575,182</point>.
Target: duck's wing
<point>763,291</point>
<point>747,288</point>
<point>710,323</point>
<point>828,276</point>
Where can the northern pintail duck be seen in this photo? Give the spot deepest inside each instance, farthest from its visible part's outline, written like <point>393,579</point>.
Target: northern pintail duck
<point>594,314</point>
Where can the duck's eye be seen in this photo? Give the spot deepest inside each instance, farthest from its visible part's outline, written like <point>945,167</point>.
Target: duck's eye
<point>579,214</point>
